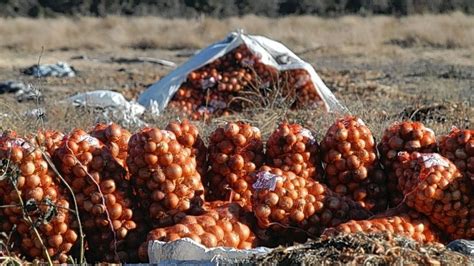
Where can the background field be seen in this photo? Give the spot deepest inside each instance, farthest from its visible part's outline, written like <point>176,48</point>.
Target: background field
<point>382,68</point>
<point>226,8</point>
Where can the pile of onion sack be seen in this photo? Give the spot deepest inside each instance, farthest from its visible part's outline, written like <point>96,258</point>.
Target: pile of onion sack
<point>239,191</point>
<point>216,88</point>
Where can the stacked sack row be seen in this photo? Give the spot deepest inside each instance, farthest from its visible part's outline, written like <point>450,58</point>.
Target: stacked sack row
<point>165,184</point>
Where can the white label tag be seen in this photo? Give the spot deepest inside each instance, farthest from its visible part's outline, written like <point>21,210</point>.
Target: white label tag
<point>247,61</point>
<point>255,130</point>
<point>19,142</point>
<point>91,140</point>
<point>206,109</point>
<point>168,134</point>
<point>429,130</point>
<point>306,133</point>
<point>207,83</point>
<point>360,122</point>
<point>266,180</point>
<point>217,104</point>
<point>434,159</point>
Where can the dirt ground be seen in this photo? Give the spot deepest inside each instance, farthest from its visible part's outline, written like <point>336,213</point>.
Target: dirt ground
<point>382,68</point>
<point>362,249</point>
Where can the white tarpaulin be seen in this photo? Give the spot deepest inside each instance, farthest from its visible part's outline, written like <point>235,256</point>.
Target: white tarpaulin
<point>272,53</point>
<point>187,251</point>
<point>113,104</point>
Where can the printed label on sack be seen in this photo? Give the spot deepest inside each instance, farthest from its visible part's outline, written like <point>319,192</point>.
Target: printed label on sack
<point>434,159</point>
<point>255,130</point>
<point>429,130</point>
<point>218,104</point>
<point>266,180</point>
<point>360,122</point>
<point>168,134</point>
<point>91,140</point>
<point>19,142</point>
<point>248,61</point>
<point>302,80</point>
<point>208,83</point>
<point>206,110</point>
<point>306,133</point>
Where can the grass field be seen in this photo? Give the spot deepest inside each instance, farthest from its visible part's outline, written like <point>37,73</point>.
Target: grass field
<point>382,68</point>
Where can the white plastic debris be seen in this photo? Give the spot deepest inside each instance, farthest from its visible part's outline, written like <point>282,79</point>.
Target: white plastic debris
<point>60,69</point>
<point>28,93</point>
<point>36,113</point>
<point>463,246</point>
<point>11,86</point>
<point>113,105</point>
<point>187,250</point>
<point>272,53</point>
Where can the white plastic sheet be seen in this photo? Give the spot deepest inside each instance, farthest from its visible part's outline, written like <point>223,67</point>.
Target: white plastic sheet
<point>187,251</point>
<point>272,53</point>
<point>60,69</point>
<point>113,104</point>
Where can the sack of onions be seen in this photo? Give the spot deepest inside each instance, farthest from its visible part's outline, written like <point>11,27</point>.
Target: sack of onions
<point>433,185</point>
<point>282,200</point>
<point>187,135</point>
<point>402,136</point>
<point>458,147</point>
<point>294,148</point>
<point>237,72</point>
<point>102,192</point>
<point>409,224</point>
<point>351,164</point>
<point>164,175</point>
<point>115,138</point>
<point>297,84</point>
<point>235,152</point>
<point>33,198</point>
<point>219,226</point>
<point>49,139</point>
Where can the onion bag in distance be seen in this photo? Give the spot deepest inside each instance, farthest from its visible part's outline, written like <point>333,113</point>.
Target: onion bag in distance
<point>270,53</point>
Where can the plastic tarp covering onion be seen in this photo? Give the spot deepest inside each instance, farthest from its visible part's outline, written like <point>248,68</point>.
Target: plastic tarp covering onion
<point>272,53</point>
<point>187,251</point>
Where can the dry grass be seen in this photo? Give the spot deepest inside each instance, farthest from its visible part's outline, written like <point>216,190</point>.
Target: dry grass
<point>299,33</point>
<point>448,37</point>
